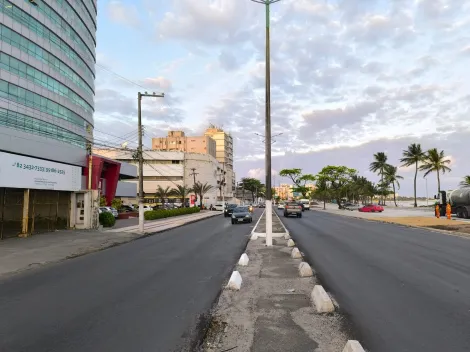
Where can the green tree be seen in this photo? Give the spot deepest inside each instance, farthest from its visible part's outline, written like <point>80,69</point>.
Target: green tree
<point>378,165</point>
<point>437,162</point>
<point>465,182</point>
<point>103,201</point>
<point>337,179</point>
<point>322,191</point>
<point>163,192</point>
<point>299,180</point>
<point>181,192</point>
<point>252,185</point>
<point>413,156</point>
<point>392,178</point>
<point>201,189</point>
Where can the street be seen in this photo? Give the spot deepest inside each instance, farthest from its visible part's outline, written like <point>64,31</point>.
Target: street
<point>406,290</point>
<point>147,295</point>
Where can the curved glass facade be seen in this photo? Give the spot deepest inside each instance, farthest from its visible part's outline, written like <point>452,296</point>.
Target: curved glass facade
<point>47,64</point>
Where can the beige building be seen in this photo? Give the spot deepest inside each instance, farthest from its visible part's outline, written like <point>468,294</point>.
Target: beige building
<point>215,142</point>
<point>178,141</point>
<point>171,168</point>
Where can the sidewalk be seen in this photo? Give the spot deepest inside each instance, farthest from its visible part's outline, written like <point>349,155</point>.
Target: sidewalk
<point>272,311</point>
<point>279,229</point>
<point>17,254</point>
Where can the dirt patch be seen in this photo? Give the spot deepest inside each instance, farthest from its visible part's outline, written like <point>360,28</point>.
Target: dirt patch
<point>439,224</point>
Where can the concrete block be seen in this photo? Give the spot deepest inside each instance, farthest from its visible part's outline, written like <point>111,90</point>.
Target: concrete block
<point>353,346</point>
<point>254,236</point>
<point>290,243</point>
<point>243,260</point>
<point>235,282</point>
<point>305,270</point>
<point>296,253</point>
<point>321,300</point>
<point>287,236</point>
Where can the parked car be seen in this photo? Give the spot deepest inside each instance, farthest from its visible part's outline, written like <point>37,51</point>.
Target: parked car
<point>127,209</point>
<point>351,206</point>
<point>109,210</point>
<point>293,208</point>
<point>371,208</point>
<point>241,215</point>
<point>229,210</point>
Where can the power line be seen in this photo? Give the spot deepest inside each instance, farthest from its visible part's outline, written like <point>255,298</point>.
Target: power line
<point>121,77</point>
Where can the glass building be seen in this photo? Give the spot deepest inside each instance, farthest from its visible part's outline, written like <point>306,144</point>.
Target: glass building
<point>47,72</point>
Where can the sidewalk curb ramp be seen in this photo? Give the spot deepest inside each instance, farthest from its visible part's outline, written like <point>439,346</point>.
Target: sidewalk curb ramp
<point>353,346</point>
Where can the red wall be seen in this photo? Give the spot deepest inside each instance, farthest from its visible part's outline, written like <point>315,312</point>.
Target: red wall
<point>111,175</point>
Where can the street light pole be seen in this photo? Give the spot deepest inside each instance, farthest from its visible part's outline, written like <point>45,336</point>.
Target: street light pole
<point>141,155</point>
<point>269,204</point>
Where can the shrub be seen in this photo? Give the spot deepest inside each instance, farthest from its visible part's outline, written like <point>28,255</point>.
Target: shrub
<point>103,201</point>
<point>164,213</point>
<point>107,219</point>
<point>116,203</point>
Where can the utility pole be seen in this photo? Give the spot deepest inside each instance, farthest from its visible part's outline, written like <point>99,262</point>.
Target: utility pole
<point>141,154</point>
<point>269,204</point>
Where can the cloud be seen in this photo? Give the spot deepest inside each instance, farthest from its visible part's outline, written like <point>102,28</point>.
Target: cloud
<point>259,173</point>
<point>123,14</point>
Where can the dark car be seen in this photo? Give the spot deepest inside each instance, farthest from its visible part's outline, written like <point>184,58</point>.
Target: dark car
<point>262,205</point>
<point>229,210</point>
<point>241,215</point>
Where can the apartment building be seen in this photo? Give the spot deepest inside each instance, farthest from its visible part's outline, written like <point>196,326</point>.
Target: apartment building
<point>178,141</point>
<point>215,142</point>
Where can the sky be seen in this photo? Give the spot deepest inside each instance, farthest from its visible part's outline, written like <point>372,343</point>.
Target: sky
<point>348,79</point>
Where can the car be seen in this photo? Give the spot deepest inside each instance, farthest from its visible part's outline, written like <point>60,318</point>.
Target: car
<point>371,208</point>
<point>351,206</point>
<point>241,215</point>
<point>293,208</point>
<point>110,210</point>
<point>280,206</point>
<point>261,205</point>
<point>219,206</point>
<point>305,203</point>
<point>229,210</point>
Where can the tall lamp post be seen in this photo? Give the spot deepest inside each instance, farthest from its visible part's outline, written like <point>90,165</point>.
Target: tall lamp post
<point>269,196</point>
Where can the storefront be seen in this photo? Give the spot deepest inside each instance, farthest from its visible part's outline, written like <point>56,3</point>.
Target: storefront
<point>35,194</point>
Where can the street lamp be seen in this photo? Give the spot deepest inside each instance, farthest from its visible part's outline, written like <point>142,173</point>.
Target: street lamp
<point>269,196</point>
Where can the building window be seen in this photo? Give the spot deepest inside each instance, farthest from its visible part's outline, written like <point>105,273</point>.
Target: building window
<point>175,161</point>
<point>28,72</point>
<point>25,97</point>
<point>36,27</point>
<point>28,124</point>
<point>27,46</point>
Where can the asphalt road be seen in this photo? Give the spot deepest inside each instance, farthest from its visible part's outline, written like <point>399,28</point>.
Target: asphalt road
<point>406,290</point>
<point>147,295</point>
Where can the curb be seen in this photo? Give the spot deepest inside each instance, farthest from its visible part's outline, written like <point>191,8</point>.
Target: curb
<point>452,233</point>
<point>255,235</point>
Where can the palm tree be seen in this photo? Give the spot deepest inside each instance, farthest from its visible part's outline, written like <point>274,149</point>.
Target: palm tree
<point>162,192</point>
<point>391,177</point>
<point>435,161</point>
<point>465,182</point>
<point>181,192</point>
<point>413,156</point>
<point>201,189</point>
<point>379,165</point>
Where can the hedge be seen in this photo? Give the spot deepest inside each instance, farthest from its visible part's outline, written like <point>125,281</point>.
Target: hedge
<point>166,213</point>
<point>107,219</point>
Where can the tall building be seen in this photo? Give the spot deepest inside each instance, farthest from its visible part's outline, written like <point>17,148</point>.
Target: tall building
<point>47,73</point>
<point>215,142</point>
<point>178,141</point>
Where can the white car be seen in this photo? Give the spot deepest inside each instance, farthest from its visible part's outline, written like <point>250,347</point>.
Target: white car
<point>281,206</point>
<point>305,203</point>
<point>219,207</point>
